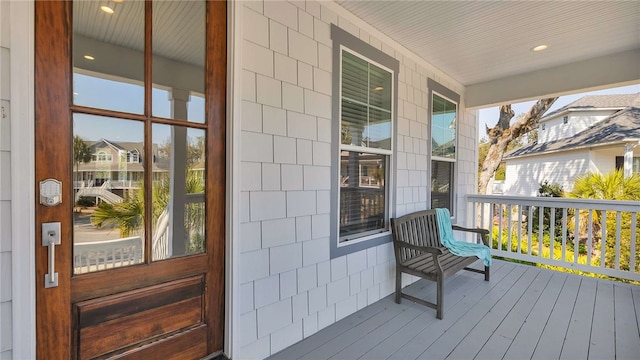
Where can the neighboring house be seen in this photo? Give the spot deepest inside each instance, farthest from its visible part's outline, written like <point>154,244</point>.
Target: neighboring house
<point>267,86</point>
<point>596,133</point>
<point>120,164</point>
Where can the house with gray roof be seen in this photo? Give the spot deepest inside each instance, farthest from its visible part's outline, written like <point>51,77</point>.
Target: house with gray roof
<point>595,133</point>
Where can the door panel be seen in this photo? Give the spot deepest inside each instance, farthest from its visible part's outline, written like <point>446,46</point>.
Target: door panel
<point>117,295</point>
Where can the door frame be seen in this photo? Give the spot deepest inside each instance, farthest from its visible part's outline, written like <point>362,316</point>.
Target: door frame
<point>21,18</point>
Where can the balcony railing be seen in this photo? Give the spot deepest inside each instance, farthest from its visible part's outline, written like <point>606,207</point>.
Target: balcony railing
<point>595,236</point>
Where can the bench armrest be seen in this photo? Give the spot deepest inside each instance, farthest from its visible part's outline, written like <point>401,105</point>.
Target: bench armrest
<point>474,230</point>
<point>482,233</point>
<point>429,249</point>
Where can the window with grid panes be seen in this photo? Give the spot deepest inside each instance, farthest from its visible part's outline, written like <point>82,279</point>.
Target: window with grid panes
<point>444,113</point>
<point>366,95</point>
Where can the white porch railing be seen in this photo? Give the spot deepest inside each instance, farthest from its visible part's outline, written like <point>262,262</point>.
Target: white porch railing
<point>543,230</point>
<point>108,254</point>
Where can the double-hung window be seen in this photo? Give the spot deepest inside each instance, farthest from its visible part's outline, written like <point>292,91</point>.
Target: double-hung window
<point>444,117</point>
<point>364,120</point>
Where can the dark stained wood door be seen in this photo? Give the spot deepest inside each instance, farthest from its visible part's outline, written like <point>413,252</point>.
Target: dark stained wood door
<point>130,114</point>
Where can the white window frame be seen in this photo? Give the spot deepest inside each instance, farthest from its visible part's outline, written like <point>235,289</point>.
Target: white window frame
<point>367,235</point>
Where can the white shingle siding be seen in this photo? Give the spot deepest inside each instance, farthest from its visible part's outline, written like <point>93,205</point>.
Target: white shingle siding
<point>6,336</point>
<point>284,233</point>
<point>560,168</point>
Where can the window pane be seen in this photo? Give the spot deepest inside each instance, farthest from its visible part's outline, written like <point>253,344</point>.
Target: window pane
<point>380,87</point>
<point>362,193</point>
<point>108,61</point>
<point>379,129</point>
<point>354,123</point>
<point>355,78</point>
<point>441,180</point>
<point>178,59</point>
<point>108,173</point>
<point>443,127</point>
<point>178,191</point>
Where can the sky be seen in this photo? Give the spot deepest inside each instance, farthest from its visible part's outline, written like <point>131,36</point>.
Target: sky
<point>489,116</point>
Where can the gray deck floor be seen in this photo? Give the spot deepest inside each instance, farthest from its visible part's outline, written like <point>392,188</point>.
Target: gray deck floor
<point>524,312</point>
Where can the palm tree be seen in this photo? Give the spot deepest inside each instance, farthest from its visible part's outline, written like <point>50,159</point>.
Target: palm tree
<point>81,152</point>
<point>128,216</point>
<point>610,186</point>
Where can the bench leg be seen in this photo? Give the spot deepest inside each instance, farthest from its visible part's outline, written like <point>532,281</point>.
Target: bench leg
<point>486,273</point>
<point>439,301</point>
<point>398,285</point>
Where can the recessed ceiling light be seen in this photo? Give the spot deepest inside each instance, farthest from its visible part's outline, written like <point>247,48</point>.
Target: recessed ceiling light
<point>118,1</point>
<point>378,88</point>
<point>539,48</point>
<point>106,9</point>
<point>89,57</point>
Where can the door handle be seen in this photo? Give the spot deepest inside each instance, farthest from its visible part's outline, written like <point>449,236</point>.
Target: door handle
<point>51,238</point>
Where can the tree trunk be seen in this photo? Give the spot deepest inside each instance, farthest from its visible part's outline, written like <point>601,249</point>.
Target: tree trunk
<point>501,135</point>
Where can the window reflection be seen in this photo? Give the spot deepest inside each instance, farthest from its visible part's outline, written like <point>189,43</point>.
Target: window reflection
<point>443,127</point>
<point>178,192</point>
<point>108,216</point>
<point>108,56</point>
<point>178,59</point>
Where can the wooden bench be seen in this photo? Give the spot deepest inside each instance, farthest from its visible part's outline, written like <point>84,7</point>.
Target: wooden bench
<point>416,242</point>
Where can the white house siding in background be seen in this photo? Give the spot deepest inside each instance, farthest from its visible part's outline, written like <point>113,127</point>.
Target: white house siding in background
<point>561,168</point>
<point>577,121</point>
<point>6,337</point>
<point>289,286</point>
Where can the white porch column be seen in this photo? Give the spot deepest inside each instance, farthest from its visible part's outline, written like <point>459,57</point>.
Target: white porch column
<point>628,159</point>
<point>178,172</point>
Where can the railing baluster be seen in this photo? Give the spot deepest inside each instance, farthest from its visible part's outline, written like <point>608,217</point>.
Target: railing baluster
<point>632,253</point>
<point>589,236</point>
<point>564,234</point>
<point>500,227</point>
<point>552,232</point>
<point>603,238</point>
<point>530,228</point>
<point>540,230</point>
<point>618,238</point>
<point>519,229</point>
<point>576,236</point>
<point>509,227</point>
<point>491,225</point>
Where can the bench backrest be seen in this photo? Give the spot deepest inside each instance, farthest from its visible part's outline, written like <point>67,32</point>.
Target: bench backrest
<point>418,228</point>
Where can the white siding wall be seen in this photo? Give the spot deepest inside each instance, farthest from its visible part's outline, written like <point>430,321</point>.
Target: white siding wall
<point>6,337</point>
<point>578,121</point>
<point>289,287</point>
<point>524,175</point>
<point>604,161</point>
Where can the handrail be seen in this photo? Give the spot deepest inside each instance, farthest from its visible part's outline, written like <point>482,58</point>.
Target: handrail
<point>596,236</point>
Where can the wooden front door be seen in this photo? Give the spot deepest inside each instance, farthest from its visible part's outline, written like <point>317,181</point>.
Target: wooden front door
<point>129,122</point>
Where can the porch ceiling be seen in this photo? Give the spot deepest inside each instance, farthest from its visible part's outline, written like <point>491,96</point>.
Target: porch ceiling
<point>481,42</point>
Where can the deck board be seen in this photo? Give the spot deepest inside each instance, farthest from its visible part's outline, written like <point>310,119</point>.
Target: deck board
<point>499,340</point>
<point>459,300</point>
<point>524,312</point>
<point>602,344</point>
<point>431,334</point>
<point>627,335</point>
<point>550,342</point>
<point>522,346</point>
<point>576,343</point>
<point>480,324</point>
